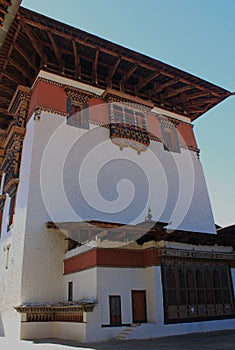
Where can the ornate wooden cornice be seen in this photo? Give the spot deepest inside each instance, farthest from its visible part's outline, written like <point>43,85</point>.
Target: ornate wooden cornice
<point>78,95</point>
<point>22,93</point>
<point>112,96</point>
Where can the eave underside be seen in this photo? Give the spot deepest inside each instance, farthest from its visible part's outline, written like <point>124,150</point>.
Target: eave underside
<point>142,233</point>
<point>35,42</point>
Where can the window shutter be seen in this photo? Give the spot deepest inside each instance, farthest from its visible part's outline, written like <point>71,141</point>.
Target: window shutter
<point>69,109</point>
<point>86,115</point>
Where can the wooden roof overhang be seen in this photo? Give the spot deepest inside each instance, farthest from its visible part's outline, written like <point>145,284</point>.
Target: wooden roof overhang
<point>144,232</point>
<point>36,42</point>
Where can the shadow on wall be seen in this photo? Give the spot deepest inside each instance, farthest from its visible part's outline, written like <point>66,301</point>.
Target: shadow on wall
<point>2,331</point>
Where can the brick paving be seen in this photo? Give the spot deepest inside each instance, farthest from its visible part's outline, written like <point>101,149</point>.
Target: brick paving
<point>209,341</point>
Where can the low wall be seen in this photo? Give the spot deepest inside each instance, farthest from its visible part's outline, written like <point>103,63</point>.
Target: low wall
<point>59,330</point>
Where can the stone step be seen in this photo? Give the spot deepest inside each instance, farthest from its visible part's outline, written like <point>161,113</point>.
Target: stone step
<point>123,335</point>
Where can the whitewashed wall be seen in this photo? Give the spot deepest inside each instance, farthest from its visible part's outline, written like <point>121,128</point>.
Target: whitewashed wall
<point>60,169</point>
<point>11,271</point>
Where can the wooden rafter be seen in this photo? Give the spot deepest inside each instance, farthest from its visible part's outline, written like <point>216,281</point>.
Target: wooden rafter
<point>23,53</point>
<point>77,64</point>
<point>32,37</point>
<point>55,47</point>
<point>164,86</point>
<point>110,51</point>
<point>10,77</point>
<point>2,110</point>
<point>113,70</point>
<point>10,49</point>
<point>202,102</point>
<point>199,94</point>
<point>155,79</point>
<point>94,69</point>
<point>4,100</point>
<point>175,92</point>
<point>146,81</point>
<point>21,69</point>
<point>6,90</point>
<point>127,76</point>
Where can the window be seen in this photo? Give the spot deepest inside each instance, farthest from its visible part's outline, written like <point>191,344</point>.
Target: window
<point>70,291</point>
<point>169,135</point>
<point>196,291</point>
<point>77,114</point>
<point>115,309</point>
<point>128,128</point>
<point>126,115</point>
<point>11,212</point>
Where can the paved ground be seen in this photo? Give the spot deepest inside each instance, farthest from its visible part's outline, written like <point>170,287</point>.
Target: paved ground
<point>209,341</point>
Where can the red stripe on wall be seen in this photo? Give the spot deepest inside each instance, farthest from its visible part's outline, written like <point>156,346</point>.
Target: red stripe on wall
<point>112,258</point>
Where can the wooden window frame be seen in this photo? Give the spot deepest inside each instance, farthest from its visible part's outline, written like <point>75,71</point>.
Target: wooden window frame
<point>70,291</point>
<point>217,292</point>
<point>123,113</point>
<point>169,136</point>
<point>81,122</point>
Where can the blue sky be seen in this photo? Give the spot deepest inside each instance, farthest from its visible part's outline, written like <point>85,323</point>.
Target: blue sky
<point>195,36</point>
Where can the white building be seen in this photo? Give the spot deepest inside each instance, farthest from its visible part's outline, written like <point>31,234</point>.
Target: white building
<point>106,224</point>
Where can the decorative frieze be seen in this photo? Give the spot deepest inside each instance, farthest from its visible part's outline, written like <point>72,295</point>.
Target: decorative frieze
<point>78,95</point>
<point>112,96</point>
<point>13,142</point>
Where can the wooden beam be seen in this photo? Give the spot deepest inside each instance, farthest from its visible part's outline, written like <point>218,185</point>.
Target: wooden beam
<point>201,94</point>
<point>161,87</point>
<point>20,68</point>
<point>127,76</point>
<point>77,64</point>
<point>113,70</point>
<point>196,104</point>
<point>32,37</point>
<point>9,77</point>
<point>149,66</point>
<point>55,47</point>
<point>25,56</point>
<point>146,81</point>
<point>5,100</point>
<point>95,63</point>
<point>10,49</point>
<point>174,92</point>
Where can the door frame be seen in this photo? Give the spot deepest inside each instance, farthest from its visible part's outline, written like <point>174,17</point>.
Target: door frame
<point>118,297</point>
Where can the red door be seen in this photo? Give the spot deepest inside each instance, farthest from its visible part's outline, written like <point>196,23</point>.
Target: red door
<point>139,306</point>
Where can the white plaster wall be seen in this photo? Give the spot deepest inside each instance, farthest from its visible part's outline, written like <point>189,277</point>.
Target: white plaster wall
<point>11,276</point>
<point>84,284</point>
<point>90,178</point>
<point>152,294</point>
<point>42,279</point>
<point>118,281</point>
<point>59,330</point>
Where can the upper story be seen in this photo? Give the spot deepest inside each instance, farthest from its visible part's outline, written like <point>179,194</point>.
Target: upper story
<point>48,67</point>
